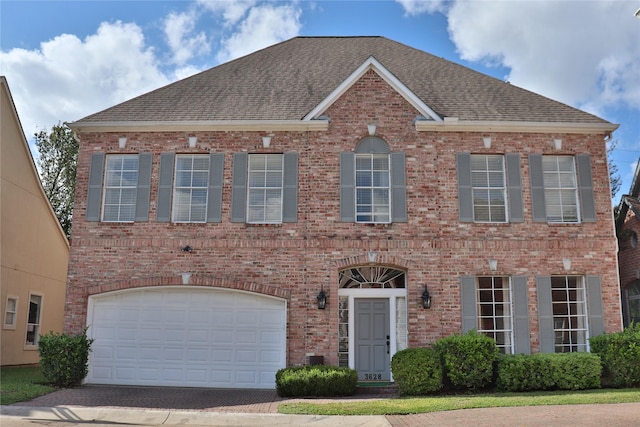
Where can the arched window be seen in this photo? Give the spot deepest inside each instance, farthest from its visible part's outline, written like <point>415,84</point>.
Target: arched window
<point>372,277</point>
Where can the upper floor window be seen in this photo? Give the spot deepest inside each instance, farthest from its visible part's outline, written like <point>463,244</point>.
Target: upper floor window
<point>372,184</point>
<point>560,189</point>
<point>10,312</point>
<point>265,188</point>
<point>372,188</point>
<point>120,186</point>
<point>489,188</point>
<point>190,188</point>
<point>264,201</point>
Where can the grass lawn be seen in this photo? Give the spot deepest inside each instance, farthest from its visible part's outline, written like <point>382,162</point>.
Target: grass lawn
<point>417,405</point>
<point>21,384</point>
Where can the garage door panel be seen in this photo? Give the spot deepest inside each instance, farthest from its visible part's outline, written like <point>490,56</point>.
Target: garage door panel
<point>187,337</point>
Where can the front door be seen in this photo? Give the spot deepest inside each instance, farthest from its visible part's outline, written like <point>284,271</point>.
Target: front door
<point>372,339</point>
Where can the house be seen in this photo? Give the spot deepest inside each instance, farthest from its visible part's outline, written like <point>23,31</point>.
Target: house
<point>628,230</point>
<point>335,200</point>
<point>35,250</point>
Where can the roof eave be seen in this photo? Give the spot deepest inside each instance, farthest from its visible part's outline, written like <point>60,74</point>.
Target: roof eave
<point>452,124</point>
<point>200,126</point>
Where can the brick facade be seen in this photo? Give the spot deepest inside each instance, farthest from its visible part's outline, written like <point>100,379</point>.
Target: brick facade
<point>293,260</point>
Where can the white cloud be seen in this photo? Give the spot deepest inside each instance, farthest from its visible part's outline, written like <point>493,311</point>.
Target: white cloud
<point>68,78</point>
<point>416,7</point>
<point>264,25</point>
<point>582,53</point>
<point>178,28</point>
<point>232,10</point>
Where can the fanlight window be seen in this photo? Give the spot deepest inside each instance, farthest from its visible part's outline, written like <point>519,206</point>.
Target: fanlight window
<point>372,277</point>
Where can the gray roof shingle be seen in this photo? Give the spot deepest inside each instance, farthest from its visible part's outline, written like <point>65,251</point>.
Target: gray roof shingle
<point>287,80</point>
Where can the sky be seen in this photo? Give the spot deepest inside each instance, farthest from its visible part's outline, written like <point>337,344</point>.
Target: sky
<point>64,60</point>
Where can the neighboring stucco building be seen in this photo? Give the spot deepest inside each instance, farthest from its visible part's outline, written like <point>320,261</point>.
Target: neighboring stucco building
<point>628,230</point>
<point>35,251</point>
<point>213,214</point>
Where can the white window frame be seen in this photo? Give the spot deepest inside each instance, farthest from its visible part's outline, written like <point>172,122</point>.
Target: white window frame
<point>489,186</point>
<point>34,327</point>
<point>505,306</point>
<point>259,188</point>
<point>190,188</point>
<point>571,329</point>
<point>375,212</point>
<point>119,187</point>
<point>13,313</point>
<point>564,191</point>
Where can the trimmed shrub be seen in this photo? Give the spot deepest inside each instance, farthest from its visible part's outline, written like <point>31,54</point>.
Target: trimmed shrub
<point>307,381</point>
<point>551,371</point>
<point>417,371</point>
<point>64,359</point>
<point>467,360</point>
<point>620,355</point>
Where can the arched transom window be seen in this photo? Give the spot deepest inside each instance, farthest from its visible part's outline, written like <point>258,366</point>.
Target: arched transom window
<point>375,276</point>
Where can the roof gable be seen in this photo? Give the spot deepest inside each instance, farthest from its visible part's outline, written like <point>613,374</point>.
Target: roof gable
<point>372,64</point>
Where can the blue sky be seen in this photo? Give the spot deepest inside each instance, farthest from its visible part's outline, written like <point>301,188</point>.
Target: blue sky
<point>67,59</point>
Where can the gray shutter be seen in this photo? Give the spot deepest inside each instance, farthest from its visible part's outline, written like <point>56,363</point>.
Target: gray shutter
<point>143,190</point>
<point>538,208</point>
<point>239,187</point>
<point>594,306</point>
<point>94,195</point>
<point>522,342</point>
<point>216,176</point>
<point>290,189</point>
<point>514,188</point>
<point>545,315</point>
<point>585,188</point>
<point>398,188</point>
<point>347,187</point>
<point>469,306</point>
<point>165,187</point>
<point>465,192</point>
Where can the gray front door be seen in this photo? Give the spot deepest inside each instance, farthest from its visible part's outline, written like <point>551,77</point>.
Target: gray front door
<point>372,339</point>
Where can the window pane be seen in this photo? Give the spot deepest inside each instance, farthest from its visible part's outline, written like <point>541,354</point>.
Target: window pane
<point>372,188</point>
<point>190,189</point>
<point>569,313</point>
<point>488,188</point>
<point>264,196</point>
<point>494,310</point>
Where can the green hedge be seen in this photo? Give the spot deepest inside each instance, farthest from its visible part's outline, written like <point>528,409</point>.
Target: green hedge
<point>552,371</point>
<point>306,381</point>
<point>417,371</point>
<point>620,355</point>
<point>64,359</point>
<point>467,360</point>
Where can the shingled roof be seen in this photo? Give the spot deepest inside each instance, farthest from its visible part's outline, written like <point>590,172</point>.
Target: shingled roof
<point>288,80</point>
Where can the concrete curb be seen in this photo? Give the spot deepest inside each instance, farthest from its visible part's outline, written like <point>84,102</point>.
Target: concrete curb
<point>161,417</point>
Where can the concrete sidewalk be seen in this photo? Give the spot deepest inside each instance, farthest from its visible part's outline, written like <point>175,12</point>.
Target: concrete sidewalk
<point>157,406</point>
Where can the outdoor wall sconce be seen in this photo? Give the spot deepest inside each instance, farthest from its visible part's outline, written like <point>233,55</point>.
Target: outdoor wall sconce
<point>371,129</point>
<point>557,144</point>
<point>486,141</point>
<point>426,298</point>
<point>187,249</point>
<point>192,141</point>
<point>122,141</point>
<point>266,141</point>
<point>321,299</point>
<point>493,264</point>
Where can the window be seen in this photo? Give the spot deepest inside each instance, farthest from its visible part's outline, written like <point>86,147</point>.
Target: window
<point>120,185</point>
<point>569,313</point>
<point>489,188</point>
<point>33,321</point>
<point>372,188</point>
<point>560,189</point>
<point>10,312</point>
<point>264,201</point>
<point>633,302</point>
<point>190,188</point>
<point>494,311</point>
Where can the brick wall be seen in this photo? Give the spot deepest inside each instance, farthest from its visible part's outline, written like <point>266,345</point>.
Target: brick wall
<point>293,260</point>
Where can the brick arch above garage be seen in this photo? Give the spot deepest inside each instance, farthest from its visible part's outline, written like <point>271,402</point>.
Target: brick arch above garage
<point>195,280</point>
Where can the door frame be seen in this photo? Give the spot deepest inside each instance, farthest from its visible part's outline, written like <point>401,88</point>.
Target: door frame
<point>391,294</point>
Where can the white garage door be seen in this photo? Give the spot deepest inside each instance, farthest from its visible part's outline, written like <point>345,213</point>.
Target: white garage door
<point>186,336</point>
